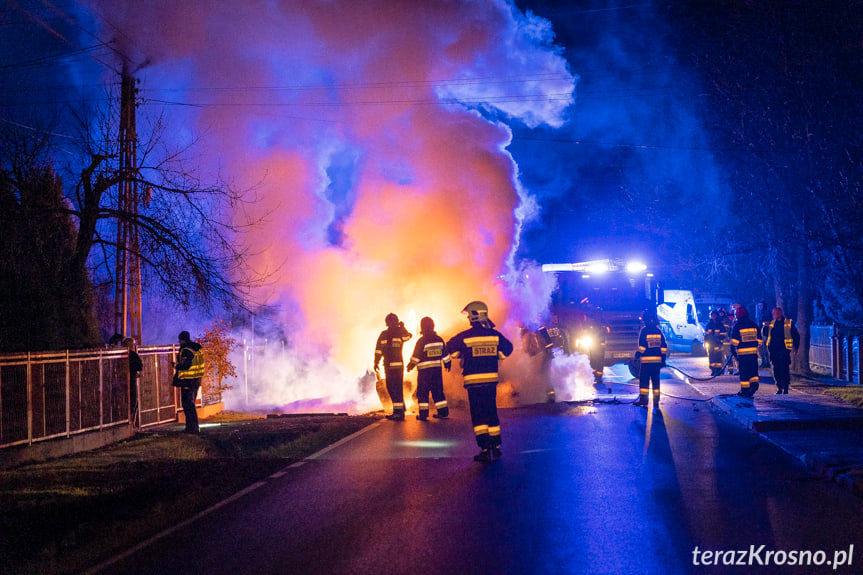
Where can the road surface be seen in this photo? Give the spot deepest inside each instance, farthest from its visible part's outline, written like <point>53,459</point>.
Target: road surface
<point>604,488</point>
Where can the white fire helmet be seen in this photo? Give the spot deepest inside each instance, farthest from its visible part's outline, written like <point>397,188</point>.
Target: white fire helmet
<point>476,311</point>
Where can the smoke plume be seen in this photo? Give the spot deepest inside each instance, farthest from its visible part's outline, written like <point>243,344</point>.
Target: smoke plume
<point>375,136</point>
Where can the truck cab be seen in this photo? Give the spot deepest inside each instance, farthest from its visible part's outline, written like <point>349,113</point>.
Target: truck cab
<point>599,305</point>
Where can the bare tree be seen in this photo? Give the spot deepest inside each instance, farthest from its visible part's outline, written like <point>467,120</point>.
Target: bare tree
<point>189,238</point>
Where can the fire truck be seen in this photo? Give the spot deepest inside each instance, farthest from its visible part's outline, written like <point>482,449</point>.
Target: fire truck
<point>598,305</point>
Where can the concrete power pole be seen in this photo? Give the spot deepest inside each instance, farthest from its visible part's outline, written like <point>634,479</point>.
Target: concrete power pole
<point>127,295</point>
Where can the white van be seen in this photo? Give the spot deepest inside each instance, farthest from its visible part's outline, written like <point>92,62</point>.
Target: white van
<point>679,321</point>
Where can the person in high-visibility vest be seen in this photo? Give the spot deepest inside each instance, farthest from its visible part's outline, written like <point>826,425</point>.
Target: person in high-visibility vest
<point>745,339</point>
<point>429,354</point>
<point>189,369</point>
<point>783,340</point>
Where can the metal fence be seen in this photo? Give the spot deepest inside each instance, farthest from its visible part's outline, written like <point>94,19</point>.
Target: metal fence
<point>49,395</point>
<point>836,351</point>
<point>821,348</point>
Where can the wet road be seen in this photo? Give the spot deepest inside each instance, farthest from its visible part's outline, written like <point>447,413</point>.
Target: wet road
<point>609,488</point>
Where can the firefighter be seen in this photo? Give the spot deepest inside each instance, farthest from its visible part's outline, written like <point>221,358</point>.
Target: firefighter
<point>714,337</point>
<point>389,348</point>
<point>546,342</point>
<point>745,339</point>
<point>725,319</point>
<point>480,348</point>
<point>652,349</point>
<point>783,340</point>
<point>429,354</point>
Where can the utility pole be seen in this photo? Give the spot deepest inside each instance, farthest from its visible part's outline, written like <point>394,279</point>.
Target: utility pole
<point>127,294</point>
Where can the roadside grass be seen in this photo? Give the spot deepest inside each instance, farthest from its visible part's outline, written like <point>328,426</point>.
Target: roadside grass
<point>65,515</point>
<point>852,395</point>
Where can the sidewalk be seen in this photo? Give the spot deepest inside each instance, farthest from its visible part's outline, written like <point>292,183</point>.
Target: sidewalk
<point>824,432</point>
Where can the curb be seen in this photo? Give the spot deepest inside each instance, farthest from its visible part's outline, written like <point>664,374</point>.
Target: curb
<point>843,468</point>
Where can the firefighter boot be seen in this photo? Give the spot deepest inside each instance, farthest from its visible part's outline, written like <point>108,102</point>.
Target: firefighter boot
<point>495,452</point>
<point>483,456</point>
<point>641,401</point>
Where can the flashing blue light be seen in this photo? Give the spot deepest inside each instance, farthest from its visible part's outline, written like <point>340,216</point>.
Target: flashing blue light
<point>635,267</point>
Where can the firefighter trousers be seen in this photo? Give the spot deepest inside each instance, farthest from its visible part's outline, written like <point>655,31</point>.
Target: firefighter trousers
<point>748,365</point>
<point>649,373</point>
<point>395,387</point>
<point>717,361</point>
<point>430,381</point>
<point>782,373</point>
<point>483,414</point>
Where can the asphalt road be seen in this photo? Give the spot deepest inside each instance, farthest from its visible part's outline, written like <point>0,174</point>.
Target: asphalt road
<point>608,488</point>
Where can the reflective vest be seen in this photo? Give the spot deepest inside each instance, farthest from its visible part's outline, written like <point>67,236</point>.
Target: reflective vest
<point>480,349</point>
<point>744,337</point>
<point>651,345</point>
<point>196,370</point>
<point>789,341</point>
<point>389,347</point>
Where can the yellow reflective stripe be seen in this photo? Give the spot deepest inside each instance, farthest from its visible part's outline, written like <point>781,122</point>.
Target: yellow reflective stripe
<point>642,349</point>
<point>196,369</point>
<point>428,364</point>
<point>650,359</point>
<point>480,429</point>
<point>747,350</point>
<point>481,340</point>
<point>440,404</point>
<point>480,378</point>
<point>455,354</point>
<point>494,431</point>
<point>744,383</point>
<point>753,379</point>
<point>398,405</point>
<point>395,364</point>
<point>424,406</point>
<point>735,342</point>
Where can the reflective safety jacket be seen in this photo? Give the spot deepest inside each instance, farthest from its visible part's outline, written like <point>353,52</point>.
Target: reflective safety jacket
<point>389,347</point>
<point>190,361</point>
<point>745,337</point>
<point>480,349</point>
<point>429,352</point>
<point>652,346</point>
<point>714,333</point>
<point>791,337</point>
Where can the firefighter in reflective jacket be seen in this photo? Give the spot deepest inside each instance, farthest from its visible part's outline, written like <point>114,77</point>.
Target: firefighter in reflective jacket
<point>783,339</point>
<point>389,348</point>
<point>745,339</point>
<point>652,349</point>
<point>714,336</point>
<point>480,348</point>
<point>429,354</point>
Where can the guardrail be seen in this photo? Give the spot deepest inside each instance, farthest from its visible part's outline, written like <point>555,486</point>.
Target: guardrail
<point>49,395</point>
